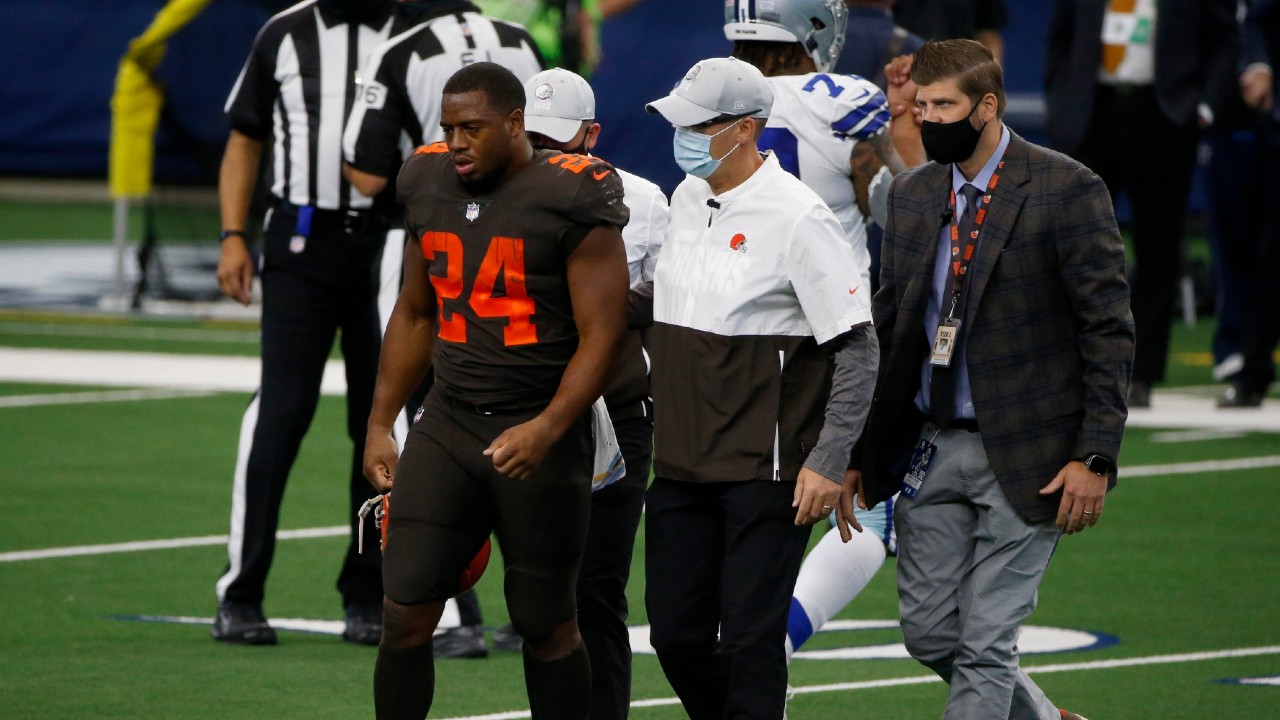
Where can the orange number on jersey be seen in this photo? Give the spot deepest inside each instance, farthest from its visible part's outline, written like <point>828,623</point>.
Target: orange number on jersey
<point>572,163</point>
<point>448,287</point>
<point>505,256</point>
<point>432,149</point>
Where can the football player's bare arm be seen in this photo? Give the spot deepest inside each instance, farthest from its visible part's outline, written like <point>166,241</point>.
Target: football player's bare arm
<point>598,280</point>
<point>405,358</point>
<point>366,184</point>
<point>905,116</point>
<point>236,178</point>
<point>868,158</point>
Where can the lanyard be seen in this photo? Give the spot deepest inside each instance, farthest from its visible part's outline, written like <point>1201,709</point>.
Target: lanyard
<point>960,260</point>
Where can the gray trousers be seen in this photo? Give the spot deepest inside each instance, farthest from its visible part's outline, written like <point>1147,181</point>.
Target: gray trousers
<point>968,570</point>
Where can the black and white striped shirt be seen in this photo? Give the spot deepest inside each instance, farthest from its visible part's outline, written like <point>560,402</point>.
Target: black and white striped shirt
<point>297,88</point>
<point>399,108</point>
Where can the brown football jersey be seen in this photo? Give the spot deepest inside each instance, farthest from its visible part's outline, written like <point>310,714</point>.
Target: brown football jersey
<point>505,329</point>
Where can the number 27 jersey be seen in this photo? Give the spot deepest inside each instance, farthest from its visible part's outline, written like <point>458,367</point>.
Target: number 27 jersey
<point>497,263</point>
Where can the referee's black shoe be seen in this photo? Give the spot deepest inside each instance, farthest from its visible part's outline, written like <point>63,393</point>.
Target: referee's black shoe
<point>364,624</point>
<point>465,641</point>
<point>242,624</point>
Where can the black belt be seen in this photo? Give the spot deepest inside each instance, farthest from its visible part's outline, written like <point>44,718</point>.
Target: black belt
<point>966,424</point>
<point>351,222</point>
<point>487,409</point>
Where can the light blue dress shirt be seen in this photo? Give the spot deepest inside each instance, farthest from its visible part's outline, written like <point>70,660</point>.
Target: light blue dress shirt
<point>941,266</point>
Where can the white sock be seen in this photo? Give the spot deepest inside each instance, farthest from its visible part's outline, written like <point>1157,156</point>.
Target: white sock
<point>831,577</point>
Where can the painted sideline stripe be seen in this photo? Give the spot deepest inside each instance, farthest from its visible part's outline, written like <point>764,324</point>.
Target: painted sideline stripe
<point>147,370</point>
<point>925,679</point>
<point>130,333</point>
<point>1200,467</point>
<point>317,532</point>
<point>74,398</point>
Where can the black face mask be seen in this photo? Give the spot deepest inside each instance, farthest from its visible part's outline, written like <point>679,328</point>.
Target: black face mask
<point>951,142</point>
<point>349,11</point>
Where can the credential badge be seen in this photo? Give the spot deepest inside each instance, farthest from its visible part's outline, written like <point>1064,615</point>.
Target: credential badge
<point>473,211</point>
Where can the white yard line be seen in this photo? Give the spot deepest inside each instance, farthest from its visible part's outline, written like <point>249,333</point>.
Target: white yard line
<point>1125,473</point>
<point>141,545</point>
<point>1205,466</point>
<point>75,398</point>
<point>1182,436</point>
<point>927,679</point>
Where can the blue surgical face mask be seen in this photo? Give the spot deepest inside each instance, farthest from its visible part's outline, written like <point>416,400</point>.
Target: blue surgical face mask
<point>693,151</point>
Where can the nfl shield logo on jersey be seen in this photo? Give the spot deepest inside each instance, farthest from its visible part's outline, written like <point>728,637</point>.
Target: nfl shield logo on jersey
<point>473,211</point>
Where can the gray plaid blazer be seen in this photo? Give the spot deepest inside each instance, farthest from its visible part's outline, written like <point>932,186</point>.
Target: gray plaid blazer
<point>1050,336</point>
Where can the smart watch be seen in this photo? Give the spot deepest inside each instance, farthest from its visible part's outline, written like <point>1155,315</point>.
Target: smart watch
<point>1099,465</point>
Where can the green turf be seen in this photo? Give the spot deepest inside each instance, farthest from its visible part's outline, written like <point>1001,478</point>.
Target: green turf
<point>1180,563</point>
<point>102,331</point>
<point>93,222</point>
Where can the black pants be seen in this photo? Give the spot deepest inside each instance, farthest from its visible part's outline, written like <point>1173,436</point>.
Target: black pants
<point>1262,329</point>
<point>1235,182</point>
<point>606,566</point>
<point>310,290</point>
<point>721,561</point>
<point>1138,151</point>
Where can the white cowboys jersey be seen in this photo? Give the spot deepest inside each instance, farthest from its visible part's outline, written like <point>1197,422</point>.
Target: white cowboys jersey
<point>817,120</point>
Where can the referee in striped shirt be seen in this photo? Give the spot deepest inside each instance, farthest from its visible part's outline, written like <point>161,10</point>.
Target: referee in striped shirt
<point>399,107</point>
<point>320,271</point>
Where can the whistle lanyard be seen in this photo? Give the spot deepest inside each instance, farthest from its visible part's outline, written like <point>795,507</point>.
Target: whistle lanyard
<point>960,260</point>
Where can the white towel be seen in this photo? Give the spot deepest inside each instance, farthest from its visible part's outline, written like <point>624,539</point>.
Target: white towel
<point>608,467</point>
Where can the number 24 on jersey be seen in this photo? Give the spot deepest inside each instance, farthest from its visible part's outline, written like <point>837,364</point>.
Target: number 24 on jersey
<point>505,256</point>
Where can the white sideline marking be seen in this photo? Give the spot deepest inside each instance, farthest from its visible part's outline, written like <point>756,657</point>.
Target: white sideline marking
<point>1125,472</point>
<point>1181,436</point>
<point>14,401</point>
<point>75,551</point>
<point>244,337</point>
<point>1185,409</point>
<point>1181,408</point>
<point>925,679</point>
<point>1200,467</point>
<point>146,370</point>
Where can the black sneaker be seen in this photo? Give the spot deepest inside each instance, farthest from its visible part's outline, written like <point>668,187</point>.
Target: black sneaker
<point>506,638</point>
<point>364,624</point>
<point>466,641</point>
<point>242,624</point>
<point>1236,396</point>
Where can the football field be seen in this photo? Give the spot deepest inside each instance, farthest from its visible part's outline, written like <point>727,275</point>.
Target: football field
<point>118,441</point>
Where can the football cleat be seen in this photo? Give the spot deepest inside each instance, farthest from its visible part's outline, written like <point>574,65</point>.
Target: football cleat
<point>363,624</point>
<point>242,624</point>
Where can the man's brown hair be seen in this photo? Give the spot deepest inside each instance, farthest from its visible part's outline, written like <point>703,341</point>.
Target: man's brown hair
<point>968,61</point>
